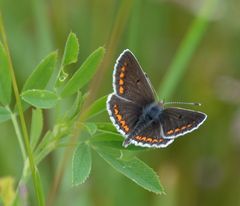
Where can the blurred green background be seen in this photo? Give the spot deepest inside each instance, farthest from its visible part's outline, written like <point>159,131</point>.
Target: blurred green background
<point>203,167</point>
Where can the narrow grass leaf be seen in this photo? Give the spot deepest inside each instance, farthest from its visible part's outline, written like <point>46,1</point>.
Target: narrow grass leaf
<point>40,98</point>
<point>42,74</point>
<point>36,127</point>
<point>71,50</point>
<point>5,78</point>
<point>81,164</point>
<point>95,108</point>
<point>4,114</point>
<point>136,170</point>
<point>84,74</point>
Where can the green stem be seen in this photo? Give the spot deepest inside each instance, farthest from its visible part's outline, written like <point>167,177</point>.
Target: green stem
<point>186,50</point>
<point>18,133</point>
<point>22,120</point>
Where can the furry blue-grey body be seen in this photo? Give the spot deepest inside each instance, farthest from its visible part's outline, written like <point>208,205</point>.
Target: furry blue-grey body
<point>152,112</point>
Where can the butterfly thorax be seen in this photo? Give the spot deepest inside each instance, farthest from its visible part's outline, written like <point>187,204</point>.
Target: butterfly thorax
<point>152,112</point>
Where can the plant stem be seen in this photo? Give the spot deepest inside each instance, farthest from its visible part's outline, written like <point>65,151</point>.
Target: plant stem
<point>22,120</point>
<point>18,133</point>
<point>186,50</point>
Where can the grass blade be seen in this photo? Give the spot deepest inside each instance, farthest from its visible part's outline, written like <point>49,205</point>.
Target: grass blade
<point>186,50</point>
<point>5,78</point>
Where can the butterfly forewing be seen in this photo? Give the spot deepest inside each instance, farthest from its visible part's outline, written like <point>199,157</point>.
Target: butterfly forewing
<point>176,121</point>
<point>130,82</point>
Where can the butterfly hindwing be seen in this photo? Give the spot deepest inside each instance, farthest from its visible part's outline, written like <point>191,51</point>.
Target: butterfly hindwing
<point>130,82</point>
<point>177,122</point>
<point>123,113</point>
<point>149,137</point>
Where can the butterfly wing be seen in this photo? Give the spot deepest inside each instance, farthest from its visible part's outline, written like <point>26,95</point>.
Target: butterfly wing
<point>150,136</point>
<point>177,122</point>
<point>130,82</point>
<point>123,113</point>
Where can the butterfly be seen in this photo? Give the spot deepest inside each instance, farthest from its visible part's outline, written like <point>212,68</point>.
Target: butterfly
<point>138,115</point>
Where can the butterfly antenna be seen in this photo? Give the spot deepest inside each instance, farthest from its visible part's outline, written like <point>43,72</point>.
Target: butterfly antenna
<point>189,103</point>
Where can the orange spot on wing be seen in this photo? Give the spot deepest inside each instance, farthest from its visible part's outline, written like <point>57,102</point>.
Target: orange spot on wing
<point>121,82</point>
<point>126,128</point>
<point>170,132</point>
<point>122,75</point>
<point>183,127</point>
<point>121,90</point>
<point>160,140</point>
<point>115,111</point>
<point>119,117</point>
<point>123,68</point>
<point>154,141</point>
<point>177,130</point>
<point>144,138</point>
<point>138,137</point>
<point>189,125</point>
<point>122,123</point>
<point>149,139</point>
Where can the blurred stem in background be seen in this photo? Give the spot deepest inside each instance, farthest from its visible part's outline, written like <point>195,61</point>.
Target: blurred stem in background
<point>187,48</point>
<point>42,27</point>
<point>134,26</point>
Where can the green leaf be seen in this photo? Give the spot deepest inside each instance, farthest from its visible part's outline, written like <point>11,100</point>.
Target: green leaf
<point>4,114</point>
<point>40,98</point>
<point>71,50</point>
<point>106,127</point>
<point>36,127</point>
<point>81,164</point>
<point>91,127</point>
<point>95,108</point>
<point>75,108</point>
<point>113,140</point>
<point>134,169</point>
<point>107,137</point>
<point>84,74</point>
<point>42,74</point>
<point>5,78</point>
